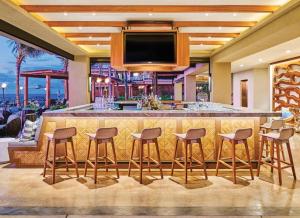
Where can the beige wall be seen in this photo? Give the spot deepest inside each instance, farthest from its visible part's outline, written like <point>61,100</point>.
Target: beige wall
<point>78,81</point>
<point>221,82</point>
<point>258,88</point>
<point>178,91</point>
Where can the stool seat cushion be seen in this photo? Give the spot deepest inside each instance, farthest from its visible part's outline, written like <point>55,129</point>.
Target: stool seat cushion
<point>137,135</point>
<point>180,135</point>
<point>91,135</point>
<point>228,135</point>
<point>273,135</point>
<point>49,135</point>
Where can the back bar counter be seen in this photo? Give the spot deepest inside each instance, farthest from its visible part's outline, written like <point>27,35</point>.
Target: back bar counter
<point>220,119</point>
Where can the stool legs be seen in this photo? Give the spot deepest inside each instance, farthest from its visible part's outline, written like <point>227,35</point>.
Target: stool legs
<point>131,157</point>
<point>219,157</point>
<point>66,159</point>
<point>233,162</point>
<point>54,163</point>
<point>74,158</point>
<point>185,161</point>
<point>46,158</point>
<point>115,158</point>
<point>248,158</point>
<point>158,158</point>
<point>291,159</point>
<point>202,158</point>
<point>96,161</point>
<point>141,160</point>
<point>174,157</point>
<point>87,157</point>
<point>278,163</point>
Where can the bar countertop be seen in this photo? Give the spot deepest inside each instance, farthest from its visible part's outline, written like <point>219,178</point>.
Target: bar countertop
<point>208,110</point>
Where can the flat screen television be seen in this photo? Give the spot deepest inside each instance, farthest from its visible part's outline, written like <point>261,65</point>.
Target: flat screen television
<point>150,48</point>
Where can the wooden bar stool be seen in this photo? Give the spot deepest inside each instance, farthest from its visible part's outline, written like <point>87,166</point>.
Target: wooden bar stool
<point>102,136</point>
<point>276,140</point>
<point>192,136</point>
<point>239,137</point>
<point>63,135</point>
<point>274,126</point>
<point>146,137</point>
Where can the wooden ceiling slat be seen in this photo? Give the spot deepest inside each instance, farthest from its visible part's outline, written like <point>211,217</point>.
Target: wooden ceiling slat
<point>69,35</point>
<point>175,24</point>
<point>229,35</point>
<point>207,42</point>
<point>78,35</point>
<point>86,23</point>
<point>91,42</point>
<point>150,8</point>
<point>214,23</point>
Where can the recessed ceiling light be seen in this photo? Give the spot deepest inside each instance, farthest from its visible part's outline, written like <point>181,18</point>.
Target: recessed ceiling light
<point>150,14</point>
<point>206,14</point>
<point>288,51</point>
<point>90,37</point>
<point>98,45</point>
<point>219,27</point>
<point>242,65</point>
<point>94,14</point>
<point>209,37</point>
<point>80,27</point>
<point>201,44</point>
<point>65,13</point>
<point>234,14</point>
<point>260,60</point>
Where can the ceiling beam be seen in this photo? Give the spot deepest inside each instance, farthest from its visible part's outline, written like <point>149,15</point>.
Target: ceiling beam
<point>86,23</point>
<point>175,24</point>
<point>150,8</point>
<point>91,42</point>
<point>207,42</point>
<point>214,23</point>
<point>224,35</point>
<point>70,35</point>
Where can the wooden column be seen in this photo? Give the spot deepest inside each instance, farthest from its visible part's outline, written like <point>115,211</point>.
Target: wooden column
<point>66,89</point>
<point>93,87</point>
<point>25,91</point>
<point>48,98</point>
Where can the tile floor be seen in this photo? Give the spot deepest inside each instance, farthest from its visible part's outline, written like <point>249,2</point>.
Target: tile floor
<point>25,192</point>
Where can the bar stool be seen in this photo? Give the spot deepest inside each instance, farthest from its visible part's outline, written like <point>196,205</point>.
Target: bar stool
<point>188,138</point>
<point>277,139</point>
<point>274,126</point>
<point>239,137</point>
<point>102,136</point>
<point>146,137</point>
<point>63,135</point>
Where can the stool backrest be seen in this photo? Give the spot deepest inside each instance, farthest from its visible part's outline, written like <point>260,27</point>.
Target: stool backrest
<point>151,133</point>
<point>106,133</point>
<point>64,133</point>
<point>277,124</point>
<point>286,133</point>
<point>195,133</point>
<point>241,134</point>
<point>263,120</point>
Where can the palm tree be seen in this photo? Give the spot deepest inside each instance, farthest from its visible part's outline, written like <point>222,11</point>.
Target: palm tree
<point>21,52</point>
<point>65,63</point>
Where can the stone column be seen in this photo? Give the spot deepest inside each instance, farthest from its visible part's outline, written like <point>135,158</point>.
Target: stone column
<point>221,89</point>
<point>78,81</point>
<point>190,88</point>
<point>178,91</point>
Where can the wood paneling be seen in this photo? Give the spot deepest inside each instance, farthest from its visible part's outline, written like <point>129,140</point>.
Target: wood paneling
<point>183,50</point>
<point>149,8</point>
<point>117,51</point>
<point>85,23</point>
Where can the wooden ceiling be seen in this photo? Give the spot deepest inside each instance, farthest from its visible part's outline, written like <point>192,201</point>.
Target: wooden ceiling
<point>210,24</point>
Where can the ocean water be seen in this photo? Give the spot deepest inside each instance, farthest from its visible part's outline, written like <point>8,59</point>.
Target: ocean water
<point>40,98</point>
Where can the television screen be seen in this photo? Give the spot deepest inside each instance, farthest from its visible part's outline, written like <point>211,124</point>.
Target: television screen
<point>150,48</point>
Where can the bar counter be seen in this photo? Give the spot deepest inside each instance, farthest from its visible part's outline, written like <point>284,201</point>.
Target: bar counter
<point>220,119</point>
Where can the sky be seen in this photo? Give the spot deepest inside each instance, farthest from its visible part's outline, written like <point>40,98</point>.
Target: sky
<point>8,70</point>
